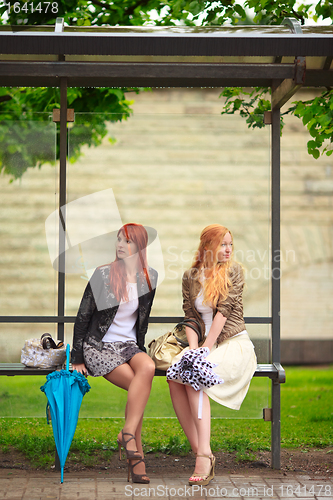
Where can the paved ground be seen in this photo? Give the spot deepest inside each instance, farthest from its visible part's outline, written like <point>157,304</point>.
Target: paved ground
<point>20,485</point>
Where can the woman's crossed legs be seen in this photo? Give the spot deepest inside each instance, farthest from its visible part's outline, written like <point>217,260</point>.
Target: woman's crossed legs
<point>136,378</point>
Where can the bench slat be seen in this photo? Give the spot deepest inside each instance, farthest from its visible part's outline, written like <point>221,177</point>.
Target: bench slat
<point>12,369</point>
<point>273,371</point>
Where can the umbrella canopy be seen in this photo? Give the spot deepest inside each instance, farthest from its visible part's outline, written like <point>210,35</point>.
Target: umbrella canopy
<point>64,391</point>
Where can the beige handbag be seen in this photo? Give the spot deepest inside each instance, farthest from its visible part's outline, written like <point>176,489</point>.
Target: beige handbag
<point>163,349</point>
<point>43,352</point>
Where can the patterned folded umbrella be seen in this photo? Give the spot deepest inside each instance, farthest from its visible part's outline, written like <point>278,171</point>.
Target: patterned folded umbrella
<point>194,370</point>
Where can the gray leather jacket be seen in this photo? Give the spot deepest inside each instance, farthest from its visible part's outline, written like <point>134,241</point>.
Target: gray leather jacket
<point>99,306</point>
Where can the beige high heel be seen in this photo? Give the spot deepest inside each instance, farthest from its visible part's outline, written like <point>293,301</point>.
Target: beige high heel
<point>130,454</point>
<point>203,479</point>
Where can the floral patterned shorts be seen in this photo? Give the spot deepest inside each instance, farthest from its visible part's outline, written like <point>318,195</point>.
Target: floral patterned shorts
<point>113,354</point>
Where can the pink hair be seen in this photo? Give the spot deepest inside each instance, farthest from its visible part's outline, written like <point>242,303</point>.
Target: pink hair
<point>138,234</point>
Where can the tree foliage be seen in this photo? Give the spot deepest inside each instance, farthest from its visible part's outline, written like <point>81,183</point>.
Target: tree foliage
<point>23,103</point>
<point>166,12</point>
<point>252,109</point>
<point>316,113</point>
<point>22,111</point>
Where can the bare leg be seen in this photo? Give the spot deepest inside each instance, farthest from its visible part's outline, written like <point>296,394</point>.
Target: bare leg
<point>141,467</point>
<point>137,434</point>
<point>135,377</point>
<point>183,412</point>
<point>138,437</point>
<point>202,465</point>
<point>139,390</point>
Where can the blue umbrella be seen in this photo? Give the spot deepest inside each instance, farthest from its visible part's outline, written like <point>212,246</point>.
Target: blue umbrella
<point>64,391</point>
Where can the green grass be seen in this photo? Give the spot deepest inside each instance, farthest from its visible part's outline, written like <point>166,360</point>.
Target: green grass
<point>21,397</point>
<point>306,420</point>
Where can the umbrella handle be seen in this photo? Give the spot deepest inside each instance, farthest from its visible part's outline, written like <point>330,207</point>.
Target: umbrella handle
<point>200,404</point>
<point>67,356</point>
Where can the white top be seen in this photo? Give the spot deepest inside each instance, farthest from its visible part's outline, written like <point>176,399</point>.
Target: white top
<point>123,325</point>
<point>207,313</point>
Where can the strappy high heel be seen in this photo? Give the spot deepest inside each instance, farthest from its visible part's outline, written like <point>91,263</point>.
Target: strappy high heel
<point>202,478</point>
<point>136,478</point>
<point>130,454</point>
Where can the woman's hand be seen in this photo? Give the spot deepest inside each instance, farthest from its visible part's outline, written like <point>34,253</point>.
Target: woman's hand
<point>80,368</point>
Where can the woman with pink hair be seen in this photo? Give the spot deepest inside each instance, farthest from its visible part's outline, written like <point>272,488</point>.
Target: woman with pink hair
<point>212,295</point>
<point>109,334</point>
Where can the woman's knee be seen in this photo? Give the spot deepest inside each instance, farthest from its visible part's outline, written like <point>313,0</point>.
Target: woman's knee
<point>145,366</point>
<point>149,368</point>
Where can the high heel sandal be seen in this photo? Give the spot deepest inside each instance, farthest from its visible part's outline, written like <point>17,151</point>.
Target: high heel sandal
<point>137,478</point>
<point>202,478</point>
<point>130,454</point>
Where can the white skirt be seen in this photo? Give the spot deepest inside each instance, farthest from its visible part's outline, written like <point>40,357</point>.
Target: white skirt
<point>236,363</point>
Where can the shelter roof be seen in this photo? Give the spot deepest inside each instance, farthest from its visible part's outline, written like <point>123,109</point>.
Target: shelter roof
<point>164,56</point>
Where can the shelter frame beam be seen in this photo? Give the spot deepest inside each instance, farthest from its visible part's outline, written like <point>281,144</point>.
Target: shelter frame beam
<point>288,87</point>
<point>62,204</point>
<point>275,283</point>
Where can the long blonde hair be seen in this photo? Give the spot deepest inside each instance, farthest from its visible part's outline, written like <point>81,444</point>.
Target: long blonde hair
<point>217,282</point>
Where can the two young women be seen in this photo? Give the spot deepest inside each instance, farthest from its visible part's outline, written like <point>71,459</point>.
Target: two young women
<point>112,322</point>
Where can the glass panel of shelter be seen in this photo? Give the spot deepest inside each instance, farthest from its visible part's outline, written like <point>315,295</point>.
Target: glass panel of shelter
<point>178,169</point>
<point>174,171</point>
<point>29,193</point>
<point>28,196</point>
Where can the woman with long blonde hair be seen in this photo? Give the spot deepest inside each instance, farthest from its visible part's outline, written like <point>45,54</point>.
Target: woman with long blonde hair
<point>212,295</point>
<point>109,334</point>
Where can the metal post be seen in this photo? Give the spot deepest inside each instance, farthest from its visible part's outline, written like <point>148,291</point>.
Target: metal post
<point>62,204</point>
<point>276,275</point>
<point>62,217</point>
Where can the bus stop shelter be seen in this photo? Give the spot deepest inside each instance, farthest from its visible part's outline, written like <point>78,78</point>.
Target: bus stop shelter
<point>284,58</point>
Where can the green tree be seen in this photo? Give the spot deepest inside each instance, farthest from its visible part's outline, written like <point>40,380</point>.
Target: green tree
<point>23,109</point>
<point>316,113</point>
<point>20,104</point>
